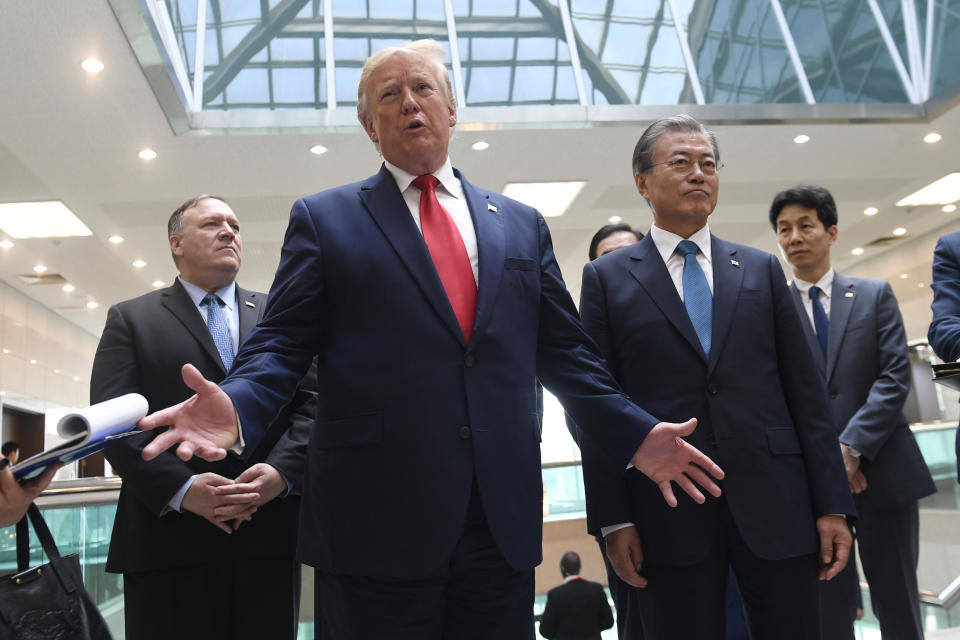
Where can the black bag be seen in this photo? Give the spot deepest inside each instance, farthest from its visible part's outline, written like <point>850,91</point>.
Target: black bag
<point>47,602</point>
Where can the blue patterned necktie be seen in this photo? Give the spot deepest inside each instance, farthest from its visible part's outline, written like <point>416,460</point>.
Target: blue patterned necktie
<point>217,325</point>
<point>696,294</point>
<point>820,321</point>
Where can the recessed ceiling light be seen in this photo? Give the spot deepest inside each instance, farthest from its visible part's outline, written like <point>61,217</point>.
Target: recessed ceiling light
<point>32,361</point>
<point>6,350</point>
<point>318,149</point>
<point>147,154</point>
<point>943,191</point>
<point>92,305</point>
<point>947,208</point>
<point>115,239</point>
<point>899,231</point>
<point>56,370</point>
<point>139,264</point>
<point>932,138</point>
<point>158,283</point>
<point>39,268</point>
<point>921,285</point>
<point>76,379</point>
<point>92,65</point>
<point>904,276</point>
<point>614,219</point>
<point>68,288</point>
<point>480,145</point>
<point>871,211</point>
<point>40,220</point>
<point>6,244</point>
<point>550,198</point>
<point>802,139</point>
<point>857,251</point>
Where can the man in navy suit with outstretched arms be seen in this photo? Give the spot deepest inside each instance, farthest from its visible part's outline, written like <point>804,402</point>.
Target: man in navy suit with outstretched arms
<point>686,320</point>
<point>432,306</point>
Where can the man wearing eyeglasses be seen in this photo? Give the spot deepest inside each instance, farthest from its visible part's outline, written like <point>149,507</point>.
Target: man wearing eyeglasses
<point>687,321</point>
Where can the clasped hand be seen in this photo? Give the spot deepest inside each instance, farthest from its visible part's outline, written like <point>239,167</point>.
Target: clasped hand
<point>227,503</point>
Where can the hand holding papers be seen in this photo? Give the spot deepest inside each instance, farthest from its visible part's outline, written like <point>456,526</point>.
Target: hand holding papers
<point>947,374</point>
<point>87,431</point>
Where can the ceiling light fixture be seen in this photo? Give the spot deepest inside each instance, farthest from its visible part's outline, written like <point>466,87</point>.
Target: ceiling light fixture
<point>857,251</point>
<point>139,264</point>
<point>40,220</point>
<point>480,145</point>
<point>32,361</point>
<point>6,350</point>
<point>318,149</point>
<point>947,208</point>
<point>942,191</point>
<point>115,239</point>
<point>92,65</point>
<point>6,244</point>
<point>899,231</point>
<point>147,154</point>
<point>932,138</point>
<point>550,198</point>
<point>614,219</point>
<point>68,288</point>
<point>802,139</point>
<point>39,268</point>
<point>904,276</point>
<point>76,379</point>
<point>92,305</point>
<point>158,283</point>
<point>921,285</point>
<point>871,211</point>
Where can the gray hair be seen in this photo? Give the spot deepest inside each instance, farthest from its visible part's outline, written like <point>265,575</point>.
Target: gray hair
<point>175,223</point>
<point>647,144</point>
<point>429,49</point>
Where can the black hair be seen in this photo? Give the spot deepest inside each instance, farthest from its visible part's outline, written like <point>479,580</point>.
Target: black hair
<point>606,232</point>
<point>809,196</point>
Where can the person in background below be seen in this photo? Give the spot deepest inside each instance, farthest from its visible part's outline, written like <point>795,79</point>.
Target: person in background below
<point>577,609</point>
<point>944,332</point>
<point>15,498</point>
<point>10,451</point>
<point>685,319</point>
<point>612,237</point>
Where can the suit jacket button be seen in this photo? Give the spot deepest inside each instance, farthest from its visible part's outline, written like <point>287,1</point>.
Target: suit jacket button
<point>468,361</point>
<point>464,433</point>
<point>712,389</point>
<point>833,395</point>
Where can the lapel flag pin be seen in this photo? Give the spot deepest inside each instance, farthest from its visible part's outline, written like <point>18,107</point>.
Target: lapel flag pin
<point>848,294</point>
<point>734,263</point>
<point>249,304</point>
<point>492,208</point>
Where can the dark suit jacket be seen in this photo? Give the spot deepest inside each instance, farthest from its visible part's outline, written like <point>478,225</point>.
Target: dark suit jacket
<point>760,404</point>
<point>867,371</point>
<point>145,343</point>
<point>577,610</point>
<point>408,413</point>
<point>944,333</point>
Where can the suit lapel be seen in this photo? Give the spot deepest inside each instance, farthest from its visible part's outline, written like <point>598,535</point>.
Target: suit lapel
<point>648,268</point>
<point>842,298</point>
<point>727,280</point>
<point>178,302</point>
<point>249,310</point>
<point>386,206</point>
<point>491,248</point>
<point>808,331</point>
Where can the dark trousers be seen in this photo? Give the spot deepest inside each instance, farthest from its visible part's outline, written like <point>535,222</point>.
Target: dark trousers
<point>242,599</point>
<point>624,600</point>
<point>838,603</point>
<point>476,595</point>
<point>780,596</point>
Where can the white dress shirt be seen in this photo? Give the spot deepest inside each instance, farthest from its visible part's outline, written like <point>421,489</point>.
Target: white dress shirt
<point>826,289</point>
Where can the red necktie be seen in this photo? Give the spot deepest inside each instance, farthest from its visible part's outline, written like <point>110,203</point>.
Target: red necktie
<point>449,254</point>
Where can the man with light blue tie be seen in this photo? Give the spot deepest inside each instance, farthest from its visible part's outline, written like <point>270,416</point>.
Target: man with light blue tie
<point>177,539</point>
<point>689,322</point>
<point>855,333</point>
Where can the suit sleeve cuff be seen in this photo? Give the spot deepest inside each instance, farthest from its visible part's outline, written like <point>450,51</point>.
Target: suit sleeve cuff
<point>177,500</point>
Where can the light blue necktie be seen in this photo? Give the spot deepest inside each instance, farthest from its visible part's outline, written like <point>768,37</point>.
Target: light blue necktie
<point>820,322</point>
<point>696,294</point>
<point>219,330</point>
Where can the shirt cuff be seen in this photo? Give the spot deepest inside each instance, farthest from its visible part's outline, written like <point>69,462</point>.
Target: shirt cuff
<point>177,500</point>
<point>239,445</point>
<point>853,451</point>
<point>605,531</point>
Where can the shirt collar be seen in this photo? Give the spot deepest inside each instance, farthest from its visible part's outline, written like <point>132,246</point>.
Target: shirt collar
<point>228,293</point>
<point>571,578</point>
<point>444,174</point>
<point>825,283</point>
<point>667,241</point>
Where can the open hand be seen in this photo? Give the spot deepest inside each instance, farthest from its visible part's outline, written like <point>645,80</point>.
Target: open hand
<point>666,457</point>
<point>204,425</point>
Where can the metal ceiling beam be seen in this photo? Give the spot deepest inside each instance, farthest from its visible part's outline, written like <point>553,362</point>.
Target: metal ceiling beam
<point>256,39</point>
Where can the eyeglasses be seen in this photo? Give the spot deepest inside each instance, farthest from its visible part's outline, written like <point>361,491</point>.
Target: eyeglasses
<point>684,166</point>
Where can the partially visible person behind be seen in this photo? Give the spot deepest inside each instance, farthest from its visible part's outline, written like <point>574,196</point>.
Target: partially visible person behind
<point>612,237</point>
<point>577,609</point>
<point>944,332</point>
<point>10,451</point>
<point>15,498</point>
<point>855,333</point>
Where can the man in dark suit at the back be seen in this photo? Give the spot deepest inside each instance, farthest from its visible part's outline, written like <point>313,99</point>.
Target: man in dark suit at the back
<point>944,332</point>
<point>191,571</point>
<point>577,609</point>
<point>855,333</point>
<point>685,319</point>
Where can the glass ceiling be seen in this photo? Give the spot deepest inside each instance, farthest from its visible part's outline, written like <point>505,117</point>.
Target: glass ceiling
<point>307,54</point>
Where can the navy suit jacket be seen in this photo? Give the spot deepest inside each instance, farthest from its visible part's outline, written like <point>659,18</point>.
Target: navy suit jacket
<point>408,414</point>
<point>944,333</point>
<point>760,404</point>
<point>867,371</point>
